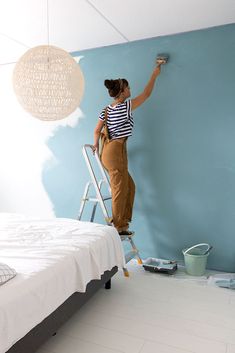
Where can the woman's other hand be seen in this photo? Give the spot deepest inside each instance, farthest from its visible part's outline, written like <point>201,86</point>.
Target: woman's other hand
<point>95,148</point>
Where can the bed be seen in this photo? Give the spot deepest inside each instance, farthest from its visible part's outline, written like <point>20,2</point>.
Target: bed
<point>60,264</point>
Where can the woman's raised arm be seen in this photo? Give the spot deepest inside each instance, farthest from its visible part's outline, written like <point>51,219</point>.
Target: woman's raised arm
<point>137,101</point>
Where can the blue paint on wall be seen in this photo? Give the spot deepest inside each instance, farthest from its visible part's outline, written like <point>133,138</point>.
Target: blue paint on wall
<point>182,153</point>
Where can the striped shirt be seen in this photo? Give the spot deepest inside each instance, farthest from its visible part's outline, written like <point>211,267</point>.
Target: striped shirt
<point>120,121</point>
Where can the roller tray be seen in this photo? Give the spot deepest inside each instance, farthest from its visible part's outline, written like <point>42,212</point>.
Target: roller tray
<point>160,266</point>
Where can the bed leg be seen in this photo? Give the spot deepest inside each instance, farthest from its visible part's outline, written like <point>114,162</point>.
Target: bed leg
<point>108,284</point>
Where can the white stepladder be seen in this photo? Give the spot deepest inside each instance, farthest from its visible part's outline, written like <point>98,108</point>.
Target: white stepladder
<point>100,199</point>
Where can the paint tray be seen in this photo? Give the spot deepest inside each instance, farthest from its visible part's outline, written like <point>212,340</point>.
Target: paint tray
<point>158,265</point>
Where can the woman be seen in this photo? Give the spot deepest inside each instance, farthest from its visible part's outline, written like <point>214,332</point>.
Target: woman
<point>118,116</point>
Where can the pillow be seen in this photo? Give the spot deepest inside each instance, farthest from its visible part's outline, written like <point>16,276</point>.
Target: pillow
<point>6,273</point>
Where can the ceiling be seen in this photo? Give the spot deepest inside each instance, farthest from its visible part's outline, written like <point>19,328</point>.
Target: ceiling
<point>82,24</point>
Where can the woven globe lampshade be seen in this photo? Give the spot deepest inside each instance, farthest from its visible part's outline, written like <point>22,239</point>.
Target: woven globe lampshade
<point>48,82</point>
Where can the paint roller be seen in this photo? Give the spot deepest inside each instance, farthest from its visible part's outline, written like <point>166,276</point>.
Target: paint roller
<point>162,59</point>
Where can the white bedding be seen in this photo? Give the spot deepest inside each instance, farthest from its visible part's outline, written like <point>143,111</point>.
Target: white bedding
<point>53,259</point>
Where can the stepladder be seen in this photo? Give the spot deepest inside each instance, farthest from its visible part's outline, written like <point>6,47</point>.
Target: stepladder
<point>98,192</point>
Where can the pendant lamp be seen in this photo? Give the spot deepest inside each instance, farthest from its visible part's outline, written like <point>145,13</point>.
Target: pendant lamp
<point>48,82</point>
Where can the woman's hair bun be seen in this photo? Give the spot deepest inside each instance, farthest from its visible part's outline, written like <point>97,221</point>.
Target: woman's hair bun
<point>116,87</point>
<point>109,84</point>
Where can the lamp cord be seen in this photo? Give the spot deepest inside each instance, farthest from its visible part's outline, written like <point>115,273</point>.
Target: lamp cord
<point>48,35</point>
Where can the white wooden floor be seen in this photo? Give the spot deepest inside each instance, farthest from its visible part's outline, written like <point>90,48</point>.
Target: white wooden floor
<point>150,313</point>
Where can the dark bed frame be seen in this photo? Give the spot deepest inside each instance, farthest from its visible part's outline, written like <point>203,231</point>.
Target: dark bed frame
<point>49,326</point>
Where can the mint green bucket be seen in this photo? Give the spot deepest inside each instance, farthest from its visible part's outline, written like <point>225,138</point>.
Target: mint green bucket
<point>195,259</point>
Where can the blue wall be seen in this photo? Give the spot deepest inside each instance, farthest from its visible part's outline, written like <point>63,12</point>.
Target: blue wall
<point>182,153</point>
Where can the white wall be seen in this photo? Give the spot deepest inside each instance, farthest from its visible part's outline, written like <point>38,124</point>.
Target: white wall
<point>23,153</point>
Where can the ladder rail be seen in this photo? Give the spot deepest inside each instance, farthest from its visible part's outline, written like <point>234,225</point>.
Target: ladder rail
<point>105,178</point>
<point>94,180</point>
<point>84,198</point>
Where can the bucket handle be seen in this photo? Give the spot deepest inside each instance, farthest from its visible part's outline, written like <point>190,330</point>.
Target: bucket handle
<point>195,246</point>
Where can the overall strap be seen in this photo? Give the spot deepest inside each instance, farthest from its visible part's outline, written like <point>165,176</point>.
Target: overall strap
<point>106,115</point>
<point>105,129</point>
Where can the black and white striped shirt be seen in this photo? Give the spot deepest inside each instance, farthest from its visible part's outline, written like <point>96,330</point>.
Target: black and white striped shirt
<point>120,121</point>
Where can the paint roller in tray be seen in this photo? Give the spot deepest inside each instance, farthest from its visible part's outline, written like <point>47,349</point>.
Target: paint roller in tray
<point>162,59</point>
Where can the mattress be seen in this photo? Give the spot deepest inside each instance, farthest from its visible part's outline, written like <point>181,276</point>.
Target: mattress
<point>53,259</point>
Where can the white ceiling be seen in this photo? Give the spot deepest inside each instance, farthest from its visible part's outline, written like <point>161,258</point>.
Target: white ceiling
<point>82,24</point>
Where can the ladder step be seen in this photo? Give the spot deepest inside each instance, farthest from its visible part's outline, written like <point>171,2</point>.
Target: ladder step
<point>94,199</point>
<point>127,237</point>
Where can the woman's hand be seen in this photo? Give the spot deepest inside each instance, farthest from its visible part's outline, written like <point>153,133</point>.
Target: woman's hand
<point>95,148</point>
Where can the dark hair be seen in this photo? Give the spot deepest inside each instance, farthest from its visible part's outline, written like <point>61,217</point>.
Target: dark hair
<point>116,87</point>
